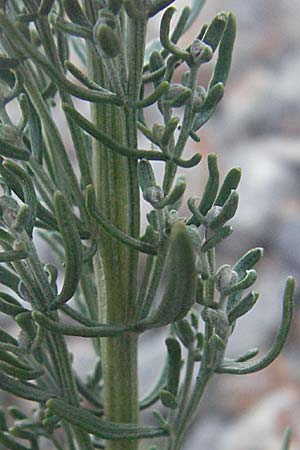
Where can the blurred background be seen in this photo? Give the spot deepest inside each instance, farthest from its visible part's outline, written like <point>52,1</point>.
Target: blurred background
<point>256,127</point>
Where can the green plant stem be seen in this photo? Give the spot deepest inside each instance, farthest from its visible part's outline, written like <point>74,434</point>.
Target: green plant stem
<point>115,272</point>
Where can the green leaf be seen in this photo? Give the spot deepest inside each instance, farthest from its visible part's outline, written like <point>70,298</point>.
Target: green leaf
<point>153,396</point>
<point>87,421</point>
<point>75,12</point>
<point>175,194</point>
<point>287,439</point>
<point>179,295</point>
<point>17,372</point>
<point>28,190</point>
<point>249,279</point>
<point>73,250</point>
<point>222,67</point>
<point>185,332</point>
<point>280,339</point>
<point>168,399</point>
<point>248,355</point>
<point>9,279</point>
<point>7,338</point>
<point>214,31</point>
<point>164,36</point>
<point>146,175</point>
<point>24,389</point>
<point>212,185</point>
<point>230,183</point>
<point>45,7</point>
<point>216,238</point>
<point>213,98</point>
<point>35,130</point>
<point>8,63</point>
<point>247,261</point>
<point>136,244</point>
<point>174,365</point>
<point>243,306</point>
<point>227,212</point>
<point>12,255</point>
<point>10,306</point>
<point>77,330</point>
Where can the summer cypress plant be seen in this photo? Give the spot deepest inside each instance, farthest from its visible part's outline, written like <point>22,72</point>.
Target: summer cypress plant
<point>90,218</point>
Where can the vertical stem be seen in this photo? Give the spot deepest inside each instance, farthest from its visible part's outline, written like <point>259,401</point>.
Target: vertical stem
<point>115,272</point>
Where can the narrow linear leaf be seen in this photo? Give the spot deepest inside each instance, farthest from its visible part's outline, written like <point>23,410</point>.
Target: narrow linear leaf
<point>179,295</point>
<point>9,279</point>
<point>212,185</point>
<point>20,182</point>
<point>153,396</point>
<point>12,255</point>
<point>17,372</point>
<point>222,67</point>
<point>227,212</point>
<point>243,306</point>
<point>7,338</point>
<point>24,390</point>
<point>185,332</point>
<point>280,339</point>
<point>230,183</point>
<point>212,100</point>
<point>287,439</point>
<point>164,35</point>
<point>248,355</point>
<point>87,421</point>
<point>246,282</point>
<point>116,233</point>
<point>77,330</point>
<point>175,194</point>
<point>214,32</point>
<point>168,399</point>
<point>217,238</point>
<point>248,260</point>
<point>73,250</point>
<point>174,364</point>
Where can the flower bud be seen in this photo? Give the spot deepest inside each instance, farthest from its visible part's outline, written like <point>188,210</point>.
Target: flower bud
<point>158,131</point>
<point>145,175</point>
<point>105,36</point>
<point>200,52</point>
<point>199,98</point>
<point>172,217</point>
<point>225,278</point>
<point>195,237</point>
<point>213,213</point>
<point>177,95</point>
<point>153,195</point>
<point>155,61</point>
